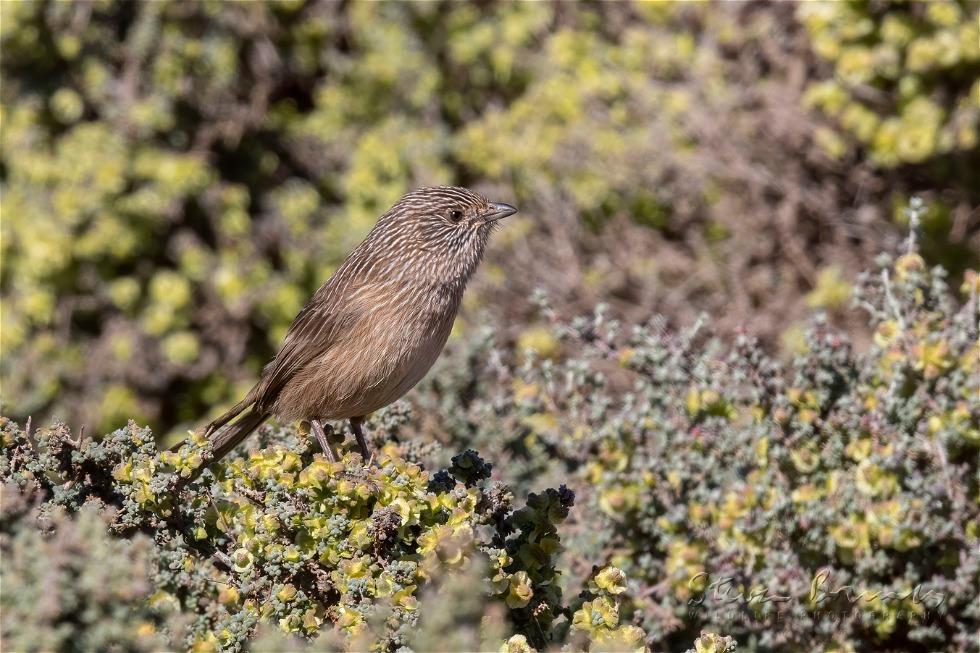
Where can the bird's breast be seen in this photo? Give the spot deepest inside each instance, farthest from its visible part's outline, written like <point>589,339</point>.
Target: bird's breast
<point>393,346</point>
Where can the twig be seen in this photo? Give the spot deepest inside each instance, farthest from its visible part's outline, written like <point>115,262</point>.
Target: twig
<point>914,212</point>
<point>892,303</point>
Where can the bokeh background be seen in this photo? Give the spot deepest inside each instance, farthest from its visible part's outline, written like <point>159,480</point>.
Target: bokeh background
<point>675,325</point>
<point>177,178</point>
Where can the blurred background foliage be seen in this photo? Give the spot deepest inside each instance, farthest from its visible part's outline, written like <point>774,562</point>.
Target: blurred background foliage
<point>177,178</point>
<point>829,503</point>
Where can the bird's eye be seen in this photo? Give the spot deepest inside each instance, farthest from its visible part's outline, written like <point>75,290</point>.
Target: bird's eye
<point>455,215</point>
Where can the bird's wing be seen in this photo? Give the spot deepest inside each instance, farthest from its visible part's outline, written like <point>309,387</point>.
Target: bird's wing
<point>322,323</point>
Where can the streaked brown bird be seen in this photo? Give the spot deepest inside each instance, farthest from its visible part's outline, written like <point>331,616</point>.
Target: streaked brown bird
<point>373,330</point>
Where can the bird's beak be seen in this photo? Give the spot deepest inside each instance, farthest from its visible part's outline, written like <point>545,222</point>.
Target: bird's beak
<point>498,211</point>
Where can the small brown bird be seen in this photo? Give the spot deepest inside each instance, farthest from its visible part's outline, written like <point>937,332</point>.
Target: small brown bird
<point>373,330</point>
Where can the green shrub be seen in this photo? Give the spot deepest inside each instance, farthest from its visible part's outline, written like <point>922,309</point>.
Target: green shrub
<point>825,504</point>
<point>178,178</point>
<point>70,586</point>
<point>277,536</point>
<point>904,81</point>
<point>829,503</point>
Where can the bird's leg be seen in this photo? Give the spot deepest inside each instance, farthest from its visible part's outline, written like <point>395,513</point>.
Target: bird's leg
<point>355,424</point>
<point>321,437</point>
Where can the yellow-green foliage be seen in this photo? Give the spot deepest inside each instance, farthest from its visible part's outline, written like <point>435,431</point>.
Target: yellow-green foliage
<point>716,488</point>
<point>68,584</point>
<point>599,617</point>
<point>178,177</point>
<point>905,77</point>
<point>759,498</point>
<point>283,537</point>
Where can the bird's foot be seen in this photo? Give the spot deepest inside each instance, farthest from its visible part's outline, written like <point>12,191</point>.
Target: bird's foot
<point>366,454</point>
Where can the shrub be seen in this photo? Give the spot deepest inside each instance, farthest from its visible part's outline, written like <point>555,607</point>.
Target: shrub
<point>68,585</point>
<point>177,178</point>
<point>904,81</point>
<point>277,536</point>
<point>828,503</point>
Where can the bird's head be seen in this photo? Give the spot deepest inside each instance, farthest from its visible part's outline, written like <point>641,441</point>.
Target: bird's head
<point>441,231</point>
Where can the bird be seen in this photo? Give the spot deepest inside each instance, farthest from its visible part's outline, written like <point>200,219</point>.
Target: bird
<point>376,326</point>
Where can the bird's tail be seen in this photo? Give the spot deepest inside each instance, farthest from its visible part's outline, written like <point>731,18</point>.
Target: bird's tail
<point>228,415</point>
<point>225,439</point>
